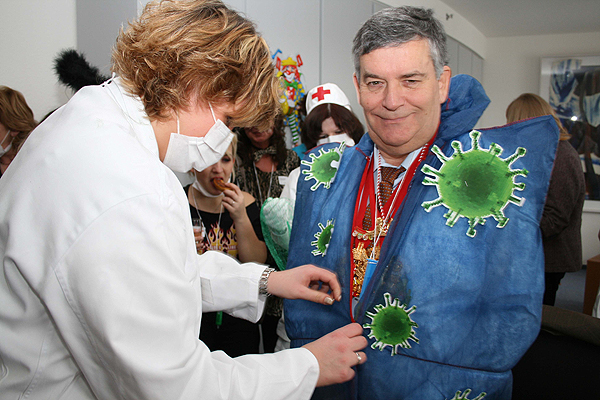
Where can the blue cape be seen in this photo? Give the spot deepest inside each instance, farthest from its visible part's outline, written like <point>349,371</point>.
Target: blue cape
<point>456,297</point>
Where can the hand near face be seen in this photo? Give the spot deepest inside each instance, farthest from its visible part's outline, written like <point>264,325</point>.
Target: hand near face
<point>233,202</point>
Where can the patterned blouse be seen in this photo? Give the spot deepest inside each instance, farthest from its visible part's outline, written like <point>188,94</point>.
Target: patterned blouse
<point>263,185</point>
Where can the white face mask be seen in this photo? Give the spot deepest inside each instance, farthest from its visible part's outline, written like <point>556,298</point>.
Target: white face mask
<point>185,153</point>
<point>205,192</point>
<point>3,150</point>
<point>342,137</point>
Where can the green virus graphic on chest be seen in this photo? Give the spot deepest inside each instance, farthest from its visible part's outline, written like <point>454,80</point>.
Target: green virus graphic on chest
<point>323,167</point>
<point>391,325</point>
<point>463,396</point>
<point>475,184</point>
<point>322,239</point>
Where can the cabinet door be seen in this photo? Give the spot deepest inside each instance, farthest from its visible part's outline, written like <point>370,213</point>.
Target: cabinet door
<point>452,47</point>
<point>465,60</point>
<point>477,68</point>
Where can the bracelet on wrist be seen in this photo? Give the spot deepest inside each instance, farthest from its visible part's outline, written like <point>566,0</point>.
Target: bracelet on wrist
<point>264,281</point>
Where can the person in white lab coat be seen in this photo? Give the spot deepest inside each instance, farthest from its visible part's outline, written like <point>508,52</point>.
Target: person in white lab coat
<point>101,289</point>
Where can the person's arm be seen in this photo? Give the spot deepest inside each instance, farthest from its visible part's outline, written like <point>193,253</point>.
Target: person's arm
<point>250,248</point>
<point>125,299</point>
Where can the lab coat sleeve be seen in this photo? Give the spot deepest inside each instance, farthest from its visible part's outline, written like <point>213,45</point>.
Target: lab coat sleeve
<point>127,306</point>
<point>230,286</point>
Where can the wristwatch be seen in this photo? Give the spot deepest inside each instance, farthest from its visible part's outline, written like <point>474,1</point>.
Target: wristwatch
<point>263,282</point>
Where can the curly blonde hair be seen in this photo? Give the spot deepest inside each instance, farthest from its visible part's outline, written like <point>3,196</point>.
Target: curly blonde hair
<point>179,51</point>
<point>15,114</point>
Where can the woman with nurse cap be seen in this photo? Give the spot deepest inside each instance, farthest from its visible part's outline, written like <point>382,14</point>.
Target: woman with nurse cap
<point>329,118</point>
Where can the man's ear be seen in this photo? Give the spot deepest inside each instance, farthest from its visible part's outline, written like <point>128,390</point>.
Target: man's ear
<point>444,83</point>
<point>356,86</point>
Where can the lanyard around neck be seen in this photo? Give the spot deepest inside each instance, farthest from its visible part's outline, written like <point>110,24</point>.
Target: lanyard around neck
<point>258,183</point>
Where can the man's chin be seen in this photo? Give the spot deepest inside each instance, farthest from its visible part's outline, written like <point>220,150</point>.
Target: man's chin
<point>392,134</point>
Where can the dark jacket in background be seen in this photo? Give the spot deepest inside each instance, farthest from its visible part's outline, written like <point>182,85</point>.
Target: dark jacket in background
<point>561,220</point>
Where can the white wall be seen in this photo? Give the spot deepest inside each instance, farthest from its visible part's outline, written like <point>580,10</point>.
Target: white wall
<point>33,32</point>
<point>95,40</point>
<point>512,66</point>
<point>454,24</point>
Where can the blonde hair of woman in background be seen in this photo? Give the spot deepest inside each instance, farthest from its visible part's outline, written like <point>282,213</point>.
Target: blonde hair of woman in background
<point>529,105</point>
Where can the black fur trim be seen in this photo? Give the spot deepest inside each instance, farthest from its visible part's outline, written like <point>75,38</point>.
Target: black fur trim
<point>74,71</point>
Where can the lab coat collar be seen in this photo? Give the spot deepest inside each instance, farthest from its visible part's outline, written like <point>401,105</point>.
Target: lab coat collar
<point>134,112</point>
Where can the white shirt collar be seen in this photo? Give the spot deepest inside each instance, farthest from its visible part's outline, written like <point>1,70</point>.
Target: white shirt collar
<point>406,163</point>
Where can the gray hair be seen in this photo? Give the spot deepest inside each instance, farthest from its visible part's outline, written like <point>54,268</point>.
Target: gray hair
<point>395,26</point>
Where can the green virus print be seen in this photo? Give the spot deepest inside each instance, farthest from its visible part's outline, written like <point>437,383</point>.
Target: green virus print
<point>323,167</point>
<point>475,184</point>
<point>463,396</point>
<point>322,239</point>
<point>391,325</point>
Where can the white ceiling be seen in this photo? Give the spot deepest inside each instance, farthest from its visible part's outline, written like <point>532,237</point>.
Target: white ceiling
<point>498,18</point>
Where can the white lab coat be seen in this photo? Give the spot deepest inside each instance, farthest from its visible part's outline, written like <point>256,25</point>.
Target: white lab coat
<point>102,291</point>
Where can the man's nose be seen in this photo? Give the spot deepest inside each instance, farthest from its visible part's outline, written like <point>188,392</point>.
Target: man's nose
<point>393,97</point>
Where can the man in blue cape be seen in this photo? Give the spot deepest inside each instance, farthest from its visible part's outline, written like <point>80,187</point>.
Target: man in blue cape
<point>432,227</point>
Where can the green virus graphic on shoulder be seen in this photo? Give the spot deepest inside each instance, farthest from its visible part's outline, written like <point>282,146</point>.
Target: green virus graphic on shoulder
<point>475,184</point>
<point>391,325</point>
<point>323,167</point>
<point>463,396</point>
<point>323,237</point>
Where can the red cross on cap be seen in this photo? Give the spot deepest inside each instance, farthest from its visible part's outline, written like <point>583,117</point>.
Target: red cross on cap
<point>320,93</point>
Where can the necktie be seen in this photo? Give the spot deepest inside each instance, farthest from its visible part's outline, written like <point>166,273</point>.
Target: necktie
<point>386,187</point>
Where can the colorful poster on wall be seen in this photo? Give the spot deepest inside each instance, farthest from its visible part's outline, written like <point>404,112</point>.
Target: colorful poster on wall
<point>572,87</point>
<point>292,94</point>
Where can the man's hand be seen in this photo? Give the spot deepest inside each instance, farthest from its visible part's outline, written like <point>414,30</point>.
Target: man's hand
<point>337,352</point>
<point>306,282</point>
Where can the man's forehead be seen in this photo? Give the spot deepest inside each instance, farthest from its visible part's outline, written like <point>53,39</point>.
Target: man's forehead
<point>398,59</point>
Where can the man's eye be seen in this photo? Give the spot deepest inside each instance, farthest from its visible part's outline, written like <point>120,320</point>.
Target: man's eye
<point>374,85</point>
